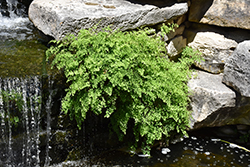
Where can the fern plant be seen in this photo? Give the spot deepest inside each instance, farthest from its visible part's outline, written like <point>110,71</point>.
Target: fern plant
<point>124,75</point>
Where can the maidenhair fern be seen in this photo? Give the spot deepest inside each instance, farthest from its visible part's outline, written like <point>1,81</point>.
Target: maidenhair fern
<point>124,75</point>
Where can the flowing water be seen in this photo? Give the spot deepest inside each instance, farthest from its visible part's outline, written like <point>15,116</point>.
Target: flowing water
<point>34,132</point>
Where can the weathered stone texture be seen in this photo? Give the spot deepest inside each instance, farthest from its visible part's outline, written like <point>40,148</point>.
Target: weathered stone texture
<point>60,17</point>
<point>224,13</point>
<point>208,95</point>
<point>215,50</point>
<point>176,46</point>
<point>237,69</point>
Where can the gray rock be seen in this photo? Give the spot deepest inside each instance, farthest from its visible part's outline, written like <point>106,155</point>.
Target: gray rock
<point>176,46</point>
<point>208,95</point>
<point>239,115</point>
<point>60,17</point>
<point>224,13</point>
<point>237,69</point>
<point>215,50</point>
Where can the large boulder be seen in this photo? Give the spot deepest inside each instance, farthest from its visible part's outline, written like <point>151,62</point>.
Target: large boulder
<point>238,115</point>
<point>60,17</point>
<point>215,49</point>
<point>237,69</point>
<point>224,13</point>
<point>208,95</point>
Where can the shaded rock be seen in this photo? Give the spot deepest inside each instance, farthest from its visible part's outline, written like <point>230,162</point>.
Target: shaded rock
<point>240,114</point>
<point>58,18</point>
<point>208,95</point>
<point>224,13</point>
<point>237,69</point>
<point>215,50</point>
<point>158,3</point>
<point>236,34</point>
<point>176,46</point>
<point>178,31</point>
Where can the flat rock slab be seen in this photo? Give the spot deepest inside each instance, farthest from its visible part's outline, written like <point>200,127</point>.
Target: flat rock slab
<point>237,69</point>
<point>60,17</point>
<point>208,95</point>
<point>224,13</point>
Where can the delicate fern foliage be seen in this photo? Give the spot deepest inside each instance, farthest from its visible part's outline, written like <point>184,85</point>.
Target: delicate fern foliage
<point>123,75</point>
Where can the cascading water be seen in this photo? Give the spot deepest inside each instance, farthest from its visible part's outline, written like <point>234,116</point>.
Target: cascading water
<point>20,116</point>
<point>20,113</point>
<point>14,23</point>
<point>21,88</point>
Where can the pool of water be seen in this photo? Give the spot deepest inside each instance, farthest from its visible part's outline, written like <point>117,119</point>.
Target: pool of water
<point>190,152</point>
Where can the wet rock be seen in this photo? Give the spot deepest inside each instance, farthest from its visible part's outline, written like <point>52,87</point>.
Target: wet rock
<point>215,49</point>
<point>208,95</point>
<point>237,69</point>
<point>243,127</point>
<point>58,18</point>
<point>224,13</point>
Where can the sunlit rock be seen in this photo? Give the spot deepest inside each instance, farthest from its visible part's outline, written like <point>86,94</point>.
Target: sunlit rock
<point>237,69</point>
<point>61,17</point>
<point>208,95</point>
<point>215,49</point>
<point>224,13</point>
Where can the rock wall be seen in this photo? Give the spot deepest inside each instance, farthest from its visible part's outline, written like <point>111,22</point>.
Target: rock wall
<point>220,92</point>
<point>220,30</point>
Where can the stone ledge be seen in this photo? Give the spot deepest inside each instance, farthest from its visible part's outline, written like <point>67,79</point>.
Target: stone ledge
<point>60,17</point>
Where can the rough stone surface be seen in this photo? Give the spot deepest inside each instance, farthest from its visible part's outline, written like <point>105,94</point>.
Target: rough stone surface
<point>172,34</point>
<point>239,115</point>
<point>236,34</point>
<point>237,69</point>
<point>60,17</point>
<point>208,95</point>
<point>224,13</point>
<point>215,50</point>
<point>176,45</point>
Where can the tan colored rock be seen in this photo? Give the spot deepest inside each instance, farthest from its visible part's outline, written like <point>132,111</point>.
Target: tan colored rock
<point>215,50</point>
<point>224,13</point>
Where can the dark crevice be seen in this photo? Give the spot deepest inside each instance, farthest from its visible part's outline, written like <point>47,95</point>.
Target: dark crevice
<point>158,3</point>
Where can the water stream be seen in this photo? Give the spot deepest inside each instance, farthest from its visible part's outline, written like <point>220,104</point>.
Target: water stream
<point>34,132</point>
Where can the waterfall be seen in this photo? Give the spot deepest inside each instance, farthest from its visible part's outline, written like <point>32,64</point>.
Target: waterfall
<point>14,22</point>
<point>20,117</point>
<point>12,8</point>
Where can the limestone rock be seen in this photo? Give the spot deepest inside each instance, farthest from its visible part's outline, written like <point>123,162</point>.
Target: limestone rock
<point>176,45</point>
<point>60,17</point>
<point>224,13</point>
<point>237,69</point>
<point>208,95</point>
<point>215,50</point>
